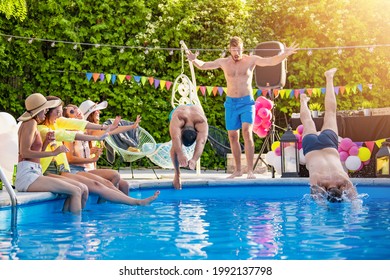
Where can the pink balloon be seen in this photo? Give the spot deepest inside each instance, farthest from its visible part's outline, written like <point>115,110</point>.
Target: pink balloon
<point>258,121</point>
<point>257,106</point>
<point>300,129</point>
<point>261,132</point>
<point>343,156</point>
<point>265,103</point>
<point>278,152</point>
<point>266,124</point>
<point>263,113</point>
<point>354,150</point>
<point>346,144</point>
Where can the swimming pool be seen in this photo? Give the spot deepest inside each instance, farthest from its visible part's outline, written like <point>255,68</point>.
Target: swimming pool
<point>205,223</point>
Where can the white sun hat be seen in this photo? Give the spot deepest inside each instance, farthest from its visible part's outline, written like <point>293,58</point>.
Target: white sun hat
<point>88,106</point>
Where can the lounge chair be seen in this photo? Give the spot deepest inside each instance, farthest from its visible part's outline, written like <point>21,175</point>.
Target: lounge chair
<point>130,145</point>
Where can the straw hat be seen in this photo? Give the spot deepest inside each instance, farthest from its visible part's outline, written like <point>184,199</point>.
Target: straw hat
<point>88,106</point>
<point>35,103</point>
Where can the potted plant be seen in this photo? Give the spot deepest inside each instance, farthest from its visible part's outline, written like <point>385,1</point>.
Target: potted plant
<point>315,108</point>
<point>367,105</point>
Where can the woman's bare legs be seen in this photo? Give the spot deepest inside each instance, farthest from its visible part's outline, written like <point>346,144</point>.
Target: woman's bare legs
<point>112,195</point>
<point>114,177</point>
<point>55,185</point>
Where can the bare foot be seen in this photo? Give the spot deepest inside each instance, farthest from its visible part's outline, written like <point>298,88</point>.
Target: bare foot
<point>235,174</point>
<point>251,175</point>
<point>330,73</point>
<point>149,199</point>
<point>177,183</point>
<point>304,98</point>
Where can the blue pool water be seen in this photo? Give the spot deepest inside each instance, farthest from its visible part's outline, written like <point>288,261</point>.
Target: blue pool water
<point>214,223</point>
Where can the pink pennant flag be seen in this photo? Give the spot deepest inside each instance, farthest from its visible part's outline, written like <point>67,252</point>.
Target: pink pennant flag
<point>95,76</point>
<point>370,145</point>
<point>264,92</point>
<point>151,79</point>
<point>128,77</point>
<point>296,93</point>
<point>203,90</point>
<point>168,84</point>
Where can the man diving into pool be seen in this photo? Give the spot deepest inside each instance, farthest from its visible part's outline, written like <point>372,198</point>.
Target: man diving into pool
<point>326,173</point>
<point>188,124</point>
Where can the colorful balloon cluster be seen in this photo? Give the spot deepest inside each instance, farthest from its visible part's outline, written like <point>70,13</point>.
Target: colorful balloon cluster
<point>263,116</point>
<point>352,156</point>
<point>273,157</point>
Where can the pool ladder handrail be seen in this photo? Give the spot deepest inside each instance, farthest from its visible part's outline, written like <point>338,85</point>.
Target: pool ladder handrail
<point>8,187</point>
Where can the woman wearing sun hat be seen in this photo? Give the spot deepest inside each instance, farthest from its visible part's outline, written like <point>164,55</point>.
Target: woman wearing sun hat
<point>29,177</point>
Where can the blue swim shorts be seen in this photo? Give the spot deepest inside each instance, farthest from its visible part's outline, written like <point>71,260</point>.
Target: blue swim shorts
<point>239,110</point>
<point>326,139</point>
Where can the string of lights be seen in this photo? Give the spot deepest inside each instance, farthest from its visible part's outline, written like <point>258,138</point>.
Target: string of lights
<point>146,50</point>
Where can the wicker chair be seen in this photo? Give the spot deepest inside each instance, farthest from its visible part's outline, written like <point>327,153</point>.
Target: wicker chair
<point>130,145</point>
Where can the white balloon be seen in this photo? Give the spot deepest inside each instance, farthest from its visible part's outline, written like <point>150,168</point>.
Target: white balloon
<point>7,122</point>
<point>278,164</point>
<point>270,157</point>
<point>353,163</point>
<point>9,151</point>
<point>302,159</point>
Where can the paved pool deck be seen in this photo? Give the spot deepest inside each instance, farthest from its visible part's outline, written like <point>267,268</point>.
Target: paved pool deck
<point>145,178</point>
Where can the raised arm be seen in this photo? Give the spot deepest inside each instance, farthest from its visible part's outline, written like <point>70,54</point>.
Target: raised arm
<point>202,64</point>
<point>274,60</point>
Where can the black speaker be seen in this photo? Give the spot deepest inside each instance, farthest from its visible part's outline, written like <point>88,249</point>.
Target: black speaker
<point>269,77</point>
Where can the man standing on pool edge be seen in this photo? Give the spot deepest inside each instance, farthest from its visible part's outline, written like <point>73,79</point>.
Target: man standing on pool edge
<point>239,106</point>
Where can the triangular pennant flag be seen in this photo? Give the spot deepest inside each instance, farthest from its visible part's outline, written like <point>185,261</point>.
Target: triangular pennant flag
<point>143,80</point>
<point>254,91</point>
<point>113,78</point>
<point>101,76</point>
<point>225,89</point>
<point>288,93</point>
<point>220,91</point>
<point>370,145</point>
<point>301,91</point>
<point>89,76</point>
<point>296,93</point>
<point>151,80</point>
<point>202,90</point>
<point>121,78</point>
<point>354,89</point>
<point>359,144</point>
<point>95,76</point>
<point>168,84</point>
<point>197,88</point>
<point>336,90</point>
<point>323,90</point>
<point>108,78</point>
<point>317,92</point>
<point>128,77</point>
<point>360,87</point>
<point>309,91</point>
<point>369,86</point>
<point>137,78</point>
<point>209,89</point>
<point>347,89</point>
<point>379,142</point>
<point>156,83</point>
<point>215,90</point>
<point>276,92</point>
<point>282,92</point>
<point>342,89</point>
<point>264,92</point>
<point>162,84</point>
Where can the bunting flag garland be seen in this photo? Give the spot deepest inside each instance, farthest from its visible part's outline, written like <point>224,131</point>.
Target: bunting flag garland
<point>218,90</point>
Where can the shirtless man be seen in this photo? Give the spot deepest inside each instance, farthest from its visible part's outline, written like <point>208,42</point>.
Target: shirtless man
<point>326,174</point>
<point>239,105</point>
<point>188,124</point>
